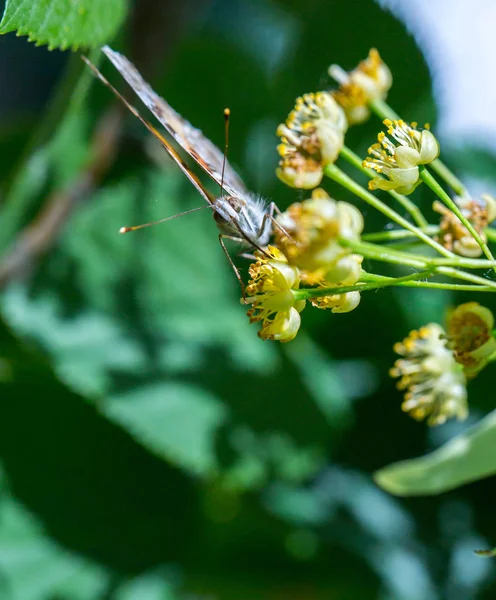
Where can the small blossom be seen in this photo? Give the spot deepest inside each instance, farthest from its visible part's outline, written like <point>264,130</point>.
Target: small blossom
<point>338,303</point>
<point>434,383</point>
<point>454,236</point>
<point>469,334</point>
<point>369,81</point>
<point>271,295</point>
<point>311,138</point>
<point>315,227</point>
<point>398,160</point>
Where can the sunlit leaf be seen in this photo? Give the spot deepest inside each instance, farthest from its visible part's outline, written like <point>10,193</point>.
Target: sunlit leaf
<point>155,585</point>
<point>62,24</point>
<point>467,457</point>
<point>177,421</point>
<point>161,307</point>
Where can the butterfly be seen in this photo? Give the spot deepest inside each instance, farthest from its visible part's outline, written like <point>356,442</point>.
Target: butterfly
<point>240,215</point>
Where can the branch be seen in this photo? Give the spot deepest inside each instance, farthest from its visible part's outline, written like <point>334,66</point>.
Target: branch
<point>37,238</point>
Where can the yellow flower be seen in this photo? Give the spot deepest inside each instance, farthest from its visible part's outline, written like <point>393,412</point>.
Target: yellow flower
<point>469,333</point>
<point>338,303</point>
<point>315,227</point>
<point>270,292</point>
<point>454,236</point>
<point>311,138</point>
<point>434,382</point>
<point>369,81</point>
<point>398,160</point>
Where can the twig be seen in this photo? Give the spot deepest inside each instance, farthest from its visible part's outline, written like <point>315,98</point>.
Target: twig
<point>40,235</point>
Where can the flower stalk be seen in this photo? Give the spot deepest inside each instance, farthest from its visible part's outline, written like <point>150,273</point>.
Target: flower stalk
<point>337,175</point>
<point>382,110</point>
<point>429,180</point>
<point>405,202</point>
<point>308,293</point>
<point>380,252</point>
<point>454,287</point>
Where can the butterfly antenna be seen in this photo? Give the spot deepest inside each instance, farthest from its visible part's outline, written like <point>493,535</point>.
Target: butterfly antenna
<point>227,114</point>
<point>186,212</point>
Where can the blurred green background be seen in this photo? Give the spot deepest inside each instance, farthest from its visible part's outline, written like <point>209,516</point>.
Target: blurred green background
<point>151,446</point>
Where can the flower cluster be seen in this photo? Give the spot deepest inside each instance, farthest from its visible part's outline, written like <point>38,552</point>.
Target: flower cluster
<point>311,138</point>
<point>310,236</point>
<point>436,363</point>
<point>306,250</point>
<point>399,158</point>
<point>469,334</point>
<point>369,81</point>
<point>453,234</point>
<point>271,294</point>
<point>434,383</point>
<point>318,244</point>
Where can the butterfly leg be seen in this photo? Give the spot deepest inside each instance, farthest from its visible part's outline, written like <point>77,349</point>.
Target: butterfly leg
<point>223,236</point>
<point>269,216</point>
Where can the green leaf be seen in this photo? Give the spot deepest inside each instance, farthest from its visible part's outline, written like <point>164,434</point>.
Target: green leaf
<point>62,24</point>
<point>83,347</point>
<point>467,457</point>
<point>158,379</point>
<point>55,163</point>
<point>178,421</point>
<point>33,566</point>
<point>322,379</point>
<point>153,585</point>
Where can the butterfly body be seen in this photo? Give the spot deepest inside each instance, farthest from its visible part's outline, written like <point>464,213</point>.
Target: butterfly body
<point>244,218</point>
<point>240,215</point>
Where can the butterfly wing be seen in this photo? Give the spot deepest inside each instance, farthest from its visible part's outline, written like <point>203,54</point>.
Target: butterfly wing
<point>165,144</point>
<point>200,148</point>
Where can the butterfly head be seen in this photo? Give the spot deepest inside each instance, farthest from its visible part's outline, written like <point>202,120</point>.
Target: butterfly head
<point>243,218</point>
<point>228,210</point>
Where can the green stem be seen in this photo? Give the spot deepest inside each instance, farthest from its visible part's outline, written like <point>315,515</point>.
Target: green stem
<point>68,100</point>
<point>382,110</point>
<point>486,553</point>
<point>400,234</point>
<point>337,175</point>
<point>308,293</point>
<point>457,274</point>
<point>490,234</point>
<point>405,202</point>
<point>456,287</point>
<point>439,191</point>
<point>408,246</point>
<point>448,177</point>
<point>396,234</point>
<point>384,252</point>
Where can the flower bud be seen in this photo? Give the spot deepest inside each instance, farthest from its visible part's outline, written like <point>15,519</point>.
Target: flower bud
<point>469,333</point>
<point>369,81</point>
<point>311,138</point>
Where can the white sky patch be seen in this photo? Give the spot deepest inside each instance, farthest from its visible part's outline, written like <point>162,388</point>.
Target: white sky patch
<point>458,39</point>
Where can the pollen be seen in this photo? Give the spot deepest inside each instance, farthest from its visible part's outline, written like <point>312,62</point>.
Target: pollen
<point>311,138</point>
<point>369,81</point>
<point>434,383</point>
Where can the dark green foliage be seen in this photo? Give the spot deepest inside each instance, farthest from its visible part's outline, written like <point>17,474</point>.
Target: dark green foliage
<point>152,447</point>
